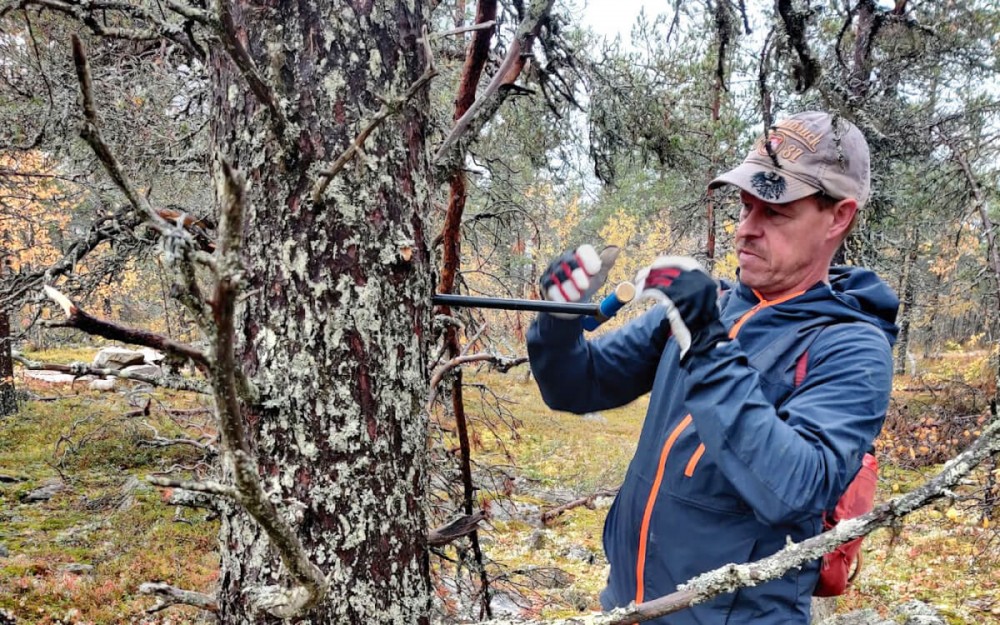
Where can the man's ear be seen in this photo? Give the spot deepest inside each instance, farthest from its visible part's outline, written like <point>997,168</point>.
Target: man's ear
<point>843,217</point>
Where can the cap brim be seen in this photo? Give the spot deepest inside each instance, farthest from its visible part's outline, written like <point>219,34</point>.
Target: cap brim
<point>766,183</point>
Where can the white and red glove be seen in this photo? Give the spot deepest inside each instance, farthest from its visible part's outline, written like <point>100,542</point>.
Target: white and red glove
<point>691,297</point>
<point>577,275</point>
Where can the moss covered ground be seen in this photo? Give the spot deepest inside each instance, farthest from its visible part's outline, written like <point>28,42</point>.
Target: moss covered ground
<point>106,519</point>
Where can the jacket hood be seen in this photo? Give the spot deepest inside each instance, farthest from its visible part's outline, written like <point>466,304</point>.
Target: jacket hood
<point>866,293</point>
<point>858,295</point>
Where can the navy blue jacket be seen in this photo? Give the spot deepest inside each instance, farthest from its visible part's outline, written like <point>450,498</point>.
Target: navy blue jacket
<point>734,459</point>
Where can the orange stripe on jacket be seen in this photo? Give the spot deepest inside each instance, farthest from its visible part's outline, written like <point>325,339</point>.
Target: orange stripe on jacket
<point>640,565</point>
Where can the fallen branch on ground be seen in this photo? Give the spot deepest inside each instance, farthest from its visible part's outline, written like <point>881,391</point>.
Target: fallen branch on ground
<point>80,369</point>
<point>169,596</point>
<point>550,515</point>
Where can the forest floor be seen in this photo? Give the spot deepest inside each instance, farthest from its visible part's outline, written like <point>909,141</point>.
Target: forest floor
<point>80,529</point>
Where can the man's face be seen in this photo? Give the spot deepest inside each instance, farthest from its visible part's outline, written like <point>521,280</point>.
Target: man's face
<point>784,248</point>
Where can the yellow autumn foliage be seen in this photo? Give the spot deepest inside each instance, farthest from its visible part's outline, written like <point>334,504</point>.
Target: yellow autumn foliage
<point>33,212</point>
<point>36,211</point>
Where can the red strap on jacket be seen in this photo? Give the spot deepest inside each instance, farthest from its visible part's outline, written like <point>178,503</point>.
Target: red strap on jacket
<point>836,572</point>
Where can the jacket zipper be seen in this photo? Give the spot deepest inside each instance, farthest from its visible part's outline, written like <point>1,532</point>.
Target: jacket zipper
<point>640,565</point>
<point>733,331</point>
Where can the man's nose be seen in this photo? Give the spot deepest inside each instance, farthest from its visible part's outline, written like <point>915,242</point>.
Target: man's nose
<point>749,226</point>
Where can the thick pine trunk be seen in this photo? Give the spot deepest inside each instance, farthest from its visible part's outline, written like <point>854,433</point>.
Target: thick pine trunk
<point>8,398</point>
<point>335,328</point>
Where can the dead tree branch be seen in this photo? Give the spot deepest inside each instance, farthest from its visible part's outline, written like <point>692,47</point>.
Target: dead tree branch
<point>462,526</point>
<point>94,15</point>
<point>204,444</point>
<point>487,104</point>
<point>465,29</point>
<point>81,369</point>
<point>83,321</point>
<point>170,596</point>
<point>91,133</point>
<point>203,486</point>
<point>553,513</point>
<point>503,363</point>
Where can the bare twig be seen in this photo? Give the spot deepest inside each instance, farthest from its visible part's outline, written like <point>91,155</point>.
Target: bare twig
<point>389,108</point>
<point>159,441</point>
<point>91,133</point>
<point>464,29</point>
<point>263,91</point>
<point>503,363</point>
<point>83,321</point>
<point>169,596</point>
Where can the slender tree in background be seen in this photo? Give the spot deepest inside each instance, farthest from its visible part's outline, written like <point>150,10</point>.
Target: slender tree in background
<point>8,396</point>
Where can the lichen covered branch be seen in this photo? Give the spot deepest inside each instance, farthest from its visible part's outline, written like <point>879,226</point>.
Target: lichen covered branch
<point>95,14</point>
<point>807,70</point>
<point>732,577</point>
<point>170,596</point>
<point>311,583</point>
<point>205,486</point>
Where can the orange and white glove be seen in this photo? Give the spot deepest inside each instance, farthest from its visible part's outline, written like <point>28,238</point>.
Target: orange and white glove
<point>691,298</point>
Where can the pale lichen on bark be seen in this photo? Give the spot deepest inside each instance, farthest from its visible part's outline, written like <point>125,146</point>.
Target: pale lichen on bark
<point>332,329</point>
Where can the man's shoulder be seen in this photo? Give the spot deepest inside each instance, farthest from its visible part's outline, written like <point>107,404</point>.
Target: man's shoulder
<point>852,338</point>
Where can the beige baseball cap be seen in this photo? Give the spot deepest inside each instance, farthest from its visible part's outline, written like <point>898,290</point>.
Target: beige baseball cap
<point>813,156</point>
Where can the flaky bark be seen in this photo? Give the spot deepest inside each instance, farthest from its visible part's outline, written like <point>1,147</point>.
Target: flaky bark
<point>334,324</point>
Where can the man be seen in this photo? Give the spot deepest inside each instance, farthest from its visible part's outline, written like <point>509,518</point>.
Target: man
<point>762,403</point>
